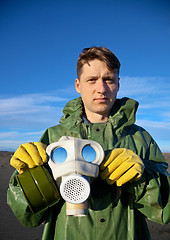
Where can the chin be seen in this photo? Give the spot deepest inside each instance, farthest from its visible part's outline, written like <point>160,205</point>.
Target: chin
<point>102,111</point>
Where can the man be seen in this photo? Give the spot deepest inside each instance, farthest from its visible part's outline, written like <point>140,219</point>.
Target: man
<point>133,182</point>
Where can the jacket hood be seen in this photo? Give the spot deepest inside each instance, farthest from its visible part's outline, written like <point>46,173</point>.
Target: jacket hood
<point>122,113</point>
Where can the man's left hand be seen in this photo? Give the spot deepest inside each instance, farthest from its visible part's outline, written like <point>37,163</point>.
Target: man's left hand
<point>121,165</point>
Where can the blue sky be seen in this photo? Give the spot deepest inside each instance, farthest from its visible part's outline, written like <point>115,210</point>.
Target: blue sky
<point>39,45</point>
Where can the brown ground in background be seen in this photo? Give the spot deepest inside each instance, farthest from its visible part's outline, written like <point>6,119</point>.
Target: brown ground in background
<point>11,229</point>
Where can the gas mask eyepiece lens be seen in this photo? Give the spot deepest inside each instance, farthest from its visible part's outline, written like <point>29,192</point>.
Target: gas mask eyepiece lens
<point>88,153</point>
<point>59,155</point>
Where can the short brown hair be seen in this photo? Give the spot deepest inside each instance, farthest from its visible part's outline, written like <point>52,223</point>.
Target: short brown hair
<point>100,53</point>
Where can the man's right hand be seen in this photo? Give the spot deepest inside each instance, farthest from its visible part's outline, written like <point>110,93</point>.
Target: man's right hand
<point>29,155</point>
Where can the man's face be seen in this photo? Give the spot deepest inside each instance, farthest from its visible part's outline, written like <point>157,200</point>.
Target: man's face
<point>98,87</point>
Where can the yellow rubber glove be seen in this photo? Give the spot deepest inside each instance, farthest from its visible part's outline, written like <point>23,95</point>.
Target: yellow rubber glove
<point>29,155</point>
<point>121,165</point>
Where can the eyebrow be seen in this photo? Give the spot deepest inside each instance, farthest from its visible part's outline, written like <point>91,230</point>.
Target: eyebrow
<point>92,76</point>
<point>107,75</point>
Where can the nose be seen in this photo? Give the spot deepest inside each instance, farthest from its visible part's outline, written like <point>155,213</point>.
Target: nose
<point>101,86</point>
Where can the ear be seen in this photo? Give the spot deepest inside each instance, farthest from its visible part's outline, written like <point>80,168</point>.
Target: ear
<point>77,85</point>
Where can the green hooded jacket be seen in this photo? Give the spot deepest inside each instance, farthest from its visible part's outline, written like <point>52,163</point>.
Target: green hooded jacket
<point>114,213</point>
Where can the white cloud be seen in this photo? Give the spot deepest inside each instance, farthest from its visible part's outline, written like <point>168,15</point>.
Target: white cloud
<point>12,139</point>
<point>29,103</point>
<point>16,134</point>
<point>152,93</point>
<point>31,111</point>
<point>154,124</point>
<point>144,86</point>
<point>8,145</point>
<point>155,104</point>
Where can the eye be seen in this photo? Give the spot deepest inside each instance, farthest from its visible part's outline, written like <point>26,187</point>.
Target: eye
<point>110,80</point>
<point>59,155</point>
<point>88,153</point>
<point>90,80</point>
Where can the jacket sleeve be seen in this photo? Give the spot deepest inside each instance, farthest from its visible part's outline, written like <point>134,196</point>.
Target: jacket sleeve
<point>19,206</point>
<point>152,192</point>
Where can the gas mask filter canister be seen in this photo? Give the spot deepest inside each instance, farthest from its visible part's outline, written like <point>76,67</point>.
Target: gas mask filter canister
<point>74,162</point>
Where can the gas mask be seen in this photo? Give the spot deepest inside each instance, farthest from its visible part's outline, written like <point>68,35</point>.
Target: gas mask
<point>74,163</point>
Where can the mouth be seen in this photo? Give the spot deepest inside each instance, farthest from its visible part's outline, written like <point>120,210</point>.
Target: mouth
<point>101,99</point>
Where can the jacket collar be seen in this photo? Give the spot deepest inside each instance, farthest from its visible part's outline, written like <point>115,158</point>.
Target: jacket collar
<point>122,114</point>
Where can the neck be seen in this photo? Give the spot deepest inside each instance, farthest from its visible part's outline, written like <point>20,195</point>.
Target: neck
<point>96,118</point>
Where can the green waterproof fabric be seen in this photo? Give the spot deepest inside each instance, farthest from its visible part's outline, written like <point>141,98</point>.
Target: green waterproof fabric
<point>113,213</point>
